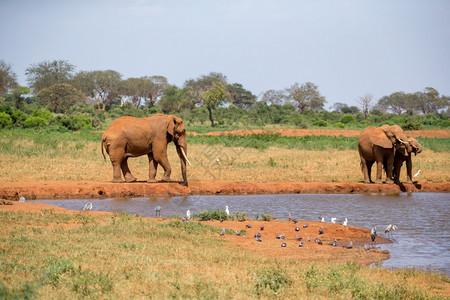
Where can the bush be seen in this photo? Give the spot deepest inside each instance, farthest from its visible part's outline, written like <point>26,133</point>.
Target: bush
<point>339,125</point>
<point>412,125</point>
<point>320,123</point>
<point>444,124</point>
<point>206,215</point>
<point>5,120</point>
<point>35,122</point>
<point>44,114</point>
<point>347,119</point>
<point>81,122</point>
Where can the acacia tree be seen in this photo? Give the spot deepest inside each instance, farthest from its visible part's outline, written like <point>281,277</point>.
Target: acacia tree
<point>144,89</point>
<point>241,97</point>
<point>273,97</point>
<point>306,96</point>
<point>8,79</point>
<point>60,97</point>
<point>101,86</point>
<point>213,98</point>
<point>398,102</point>
<point>366,103</point>
<point>429,101</point>
<point>195,88</point>
<point>48,73</point>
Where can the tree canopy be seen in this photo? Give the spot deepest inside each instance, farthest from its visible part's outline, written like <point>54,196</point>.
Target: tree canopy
<point>60,97</point>
<point>306,96</point>
<point>48,73</point>
<point>8,79</point>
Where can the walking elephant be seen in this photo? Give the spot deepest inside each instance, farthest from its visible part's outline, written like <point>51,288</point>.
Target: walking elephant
<point>379,145</point>
<point>400,157</point>
<point>131,137</point>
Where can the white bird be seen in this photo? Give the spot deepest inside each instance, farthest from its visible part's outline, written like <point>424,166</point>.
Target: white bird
<point>390,228</point>
<point>227,211</point>
<point>417,174</point>
<point>323,219</point>
<point>345,222</point>
<point>88,206</point>
<point>158,211</point>
<point>333,220</point>
<point>217,159</point>
<point>188,214</point>
<point>222,233</point>
<point>22,199</point>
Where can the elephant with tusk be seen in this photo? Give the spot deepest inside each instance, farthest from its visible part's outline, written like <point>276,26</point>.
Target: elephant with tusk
<point>132,137</point>
<point>379,145</point>
<point>402,156</point>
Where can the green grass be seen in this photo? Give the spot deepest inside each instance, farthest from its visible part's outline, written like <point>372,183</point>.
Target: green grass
<point>321,142</point>
<point>134,257</point>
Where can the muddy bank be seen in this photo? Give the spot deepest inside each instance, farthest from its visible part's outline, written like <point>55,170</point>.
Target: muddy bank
<point>81,189</point>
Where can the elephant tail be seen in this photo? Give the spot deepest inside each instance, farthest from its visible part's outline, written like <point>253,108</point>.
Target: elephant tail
<point>102,145</point>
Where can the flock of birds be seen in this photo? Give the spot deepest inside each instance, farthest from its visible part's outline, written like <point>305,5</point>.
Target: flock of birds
<point>373,232</point>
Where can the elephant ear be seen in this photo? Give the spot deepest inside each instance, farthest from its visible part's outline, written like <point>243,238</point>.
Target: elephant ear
<point>174,125</point>
<point>380,138</point>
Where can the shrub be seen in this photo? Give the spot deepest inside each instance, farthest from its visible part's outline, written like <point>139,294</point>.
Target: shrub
<point>320,123</point>
<point>81,122</point>
<point>444,123</point>
<point>5,120</point>
<point>270,279</point>
<point>206,215</point>
<point>266,217</point>
<point>347,119</point>
<point>412,125</point>
<point>339,125</point>
<point>35,122</point>
<point>44,114</point>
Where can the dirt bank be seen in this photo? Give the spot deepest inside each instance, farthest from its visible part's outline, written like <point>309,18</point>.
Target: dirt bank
<point>82,189</point>
<point>270,245</point>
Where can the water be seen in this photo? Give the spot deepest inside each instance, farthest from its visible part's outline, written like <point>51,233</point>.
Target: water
<point>422,239</point>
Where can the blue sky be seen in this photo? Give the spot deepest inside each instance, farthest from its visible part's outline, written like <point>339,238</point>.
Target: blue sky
<point>348,48</point>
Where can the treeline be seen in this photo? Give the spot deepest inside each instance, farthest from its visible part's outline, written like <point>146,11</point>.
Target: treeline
<point>62,99</point>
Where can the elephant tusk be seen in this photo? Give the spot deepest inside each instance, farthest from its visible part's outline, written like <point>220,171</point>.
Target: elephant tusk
<point>184,155</point>
<point>405,143</point>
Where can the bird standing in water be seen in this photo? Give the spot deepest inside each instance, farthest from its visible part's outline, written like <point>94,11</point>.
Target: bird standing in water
<point>88,206</point>
<point>390,228</point>
<point>345,222</point>
<point>158,211</point>
<point>227,211</point>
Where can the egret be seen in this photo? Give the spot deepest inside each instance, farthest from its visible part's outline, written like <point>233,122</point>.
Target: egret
<point>390,228</point>
<point>158,211</point>
<point>217,159</point>
<point>222,233</point>
<point>373,233</point>
<point>345,222</point>
<point>88,206</point>
<point>227,211</point>
<point>188,214</point>
<point>322,219</point>
<point>417,174</point>
<point>333,220</point>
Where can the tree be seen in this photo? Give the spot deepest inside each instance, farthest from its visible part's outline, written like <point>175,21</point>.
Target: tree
<point>213,98</point>
<point>241,97</point>
<point>429,101</point>
<point>60,97</point>
<point>173,100</point>
<point>101,86</point>
<point>19,100</point>
<point>48,73</point>
<point>306,96</point>
<point>8,79</point>
<point>366,103</point>
<point>338,106</point>
<point>273,97</point>
<point>398,102</point>
<point>195,88</point>
<point>144,89</point>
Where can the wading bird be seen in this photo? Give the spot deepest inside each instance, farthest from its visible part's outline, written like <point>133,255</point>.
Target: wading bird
<point>373,234</point>
<point>417,174</point>
<point>333,220</point>
<point>345,222</point>
<point>158,211</point>
<point>227,211</point>
<point>188,214</point>
<point>390,228</point>
<point>322,219</point>
<point>88,206</point>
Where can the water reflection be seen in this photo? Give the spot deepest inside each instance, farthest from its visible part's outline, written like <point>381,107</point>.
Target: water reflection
<point>422,239</point>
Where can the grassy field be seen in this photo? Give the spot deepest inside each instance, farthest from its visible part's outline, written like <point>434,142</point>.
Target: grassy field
<point>52,256</point>
<point>31,155</point>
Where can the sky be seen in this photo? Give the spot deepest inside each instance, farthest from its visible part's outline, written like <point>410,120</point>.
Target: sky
<point>348,48</point>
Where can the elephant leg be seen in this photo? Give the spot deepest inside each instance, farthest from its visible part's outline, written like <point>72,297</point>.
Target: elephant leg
<point>152,167</point>
<point>379,172</point>
<point>409,169</point>
<point>160,156</point>
<point>365,168</point>
<point>369,171</point>
<point>126,171</point>
<point>116,157</point>
<point>389,167</point>
<point>397,167</point>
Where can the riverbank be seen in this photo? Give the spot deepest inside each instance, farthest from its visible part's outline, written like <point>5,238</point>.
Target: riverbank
<point>99,189</point>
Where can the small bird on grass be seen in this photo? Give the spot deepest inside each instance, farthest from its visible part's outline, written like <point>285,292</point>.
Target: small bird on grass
<point>258,235</point>
<point>237,232</point>
<point>222,233</point>
<point>318,241</point>
<point>283,245</point>
<point>334,244</point>
<point>349,246</point>
<point>249,226</point>
<point>297,228</point>
<point>261,227</point>
<point>305,225</point>
<point>300,244</point>
<point>298,238</point>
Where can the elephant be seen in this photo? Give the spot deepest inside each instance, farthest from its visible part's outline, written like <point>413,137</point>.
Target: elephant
<point>132,137</point>
<point>379,145</point>
<point>399,158</point>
